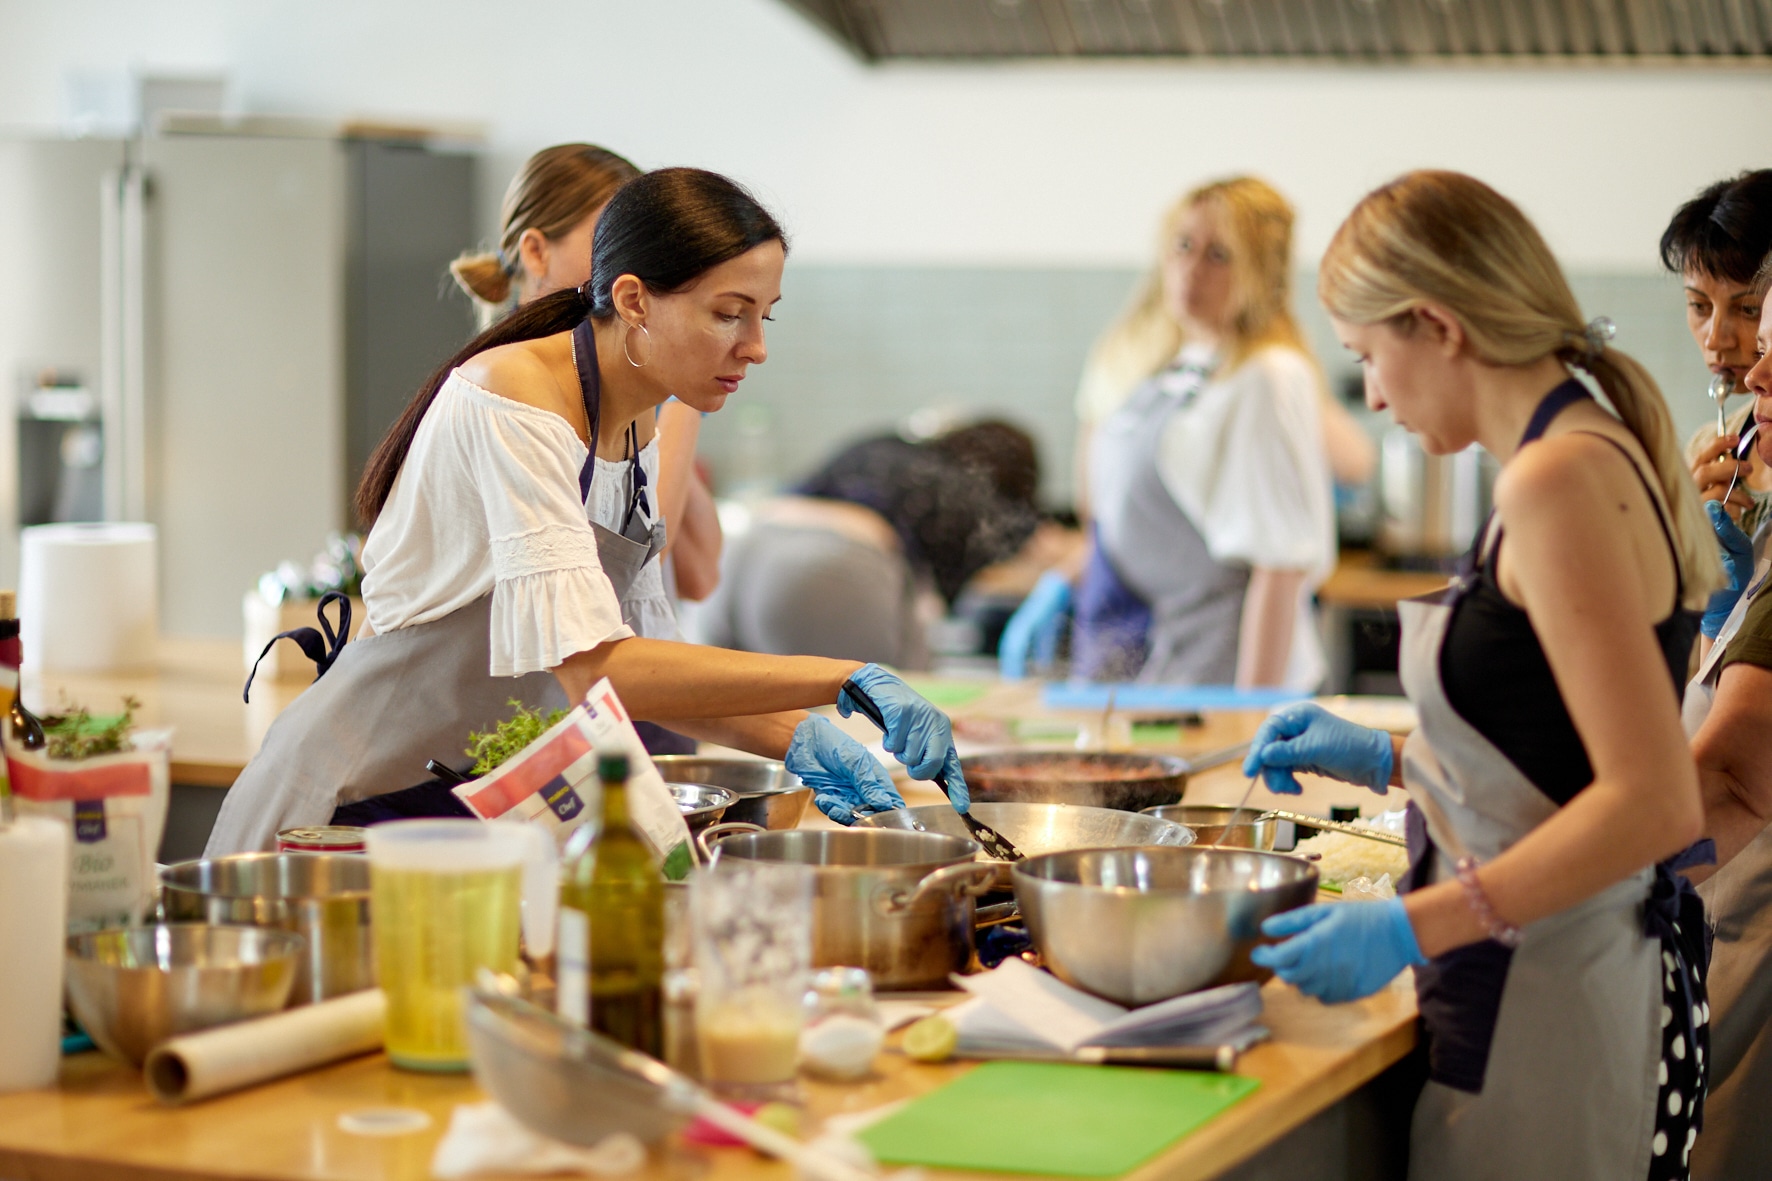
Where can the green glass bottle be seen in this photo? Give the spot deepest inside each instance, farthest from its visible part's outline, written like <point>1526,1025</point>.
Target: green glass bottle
<point>611,947</point>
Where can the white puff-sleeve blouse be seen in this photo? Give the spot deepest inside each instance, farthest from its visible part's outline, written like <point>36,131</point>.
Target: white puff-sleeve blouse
<point>487,500</point>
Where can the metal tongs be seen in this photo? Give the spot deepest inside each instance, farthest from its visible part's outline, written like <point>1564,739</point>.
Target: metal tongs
<point>994,842</point>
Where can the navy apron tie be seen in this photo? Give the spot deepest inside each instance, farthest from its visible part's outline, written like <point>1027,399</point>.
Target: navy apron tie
<point>321,645</point>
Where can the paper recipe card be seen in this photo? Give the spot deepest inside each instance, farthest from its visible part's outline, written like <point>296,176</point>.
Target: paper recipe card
<point>553,781</point>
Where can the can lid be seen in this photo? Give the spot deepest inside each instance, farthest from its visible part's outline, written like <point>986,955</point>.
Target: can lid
<point>323,834</point>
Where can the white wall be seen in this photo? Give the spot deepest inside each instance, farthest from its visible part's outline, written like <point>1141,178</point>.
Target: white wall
<point>1017,164</point>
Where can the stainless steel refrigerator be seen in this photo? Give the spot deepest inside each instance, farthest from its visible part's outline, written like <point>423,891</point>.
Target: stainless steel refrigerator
<point>210,332</point>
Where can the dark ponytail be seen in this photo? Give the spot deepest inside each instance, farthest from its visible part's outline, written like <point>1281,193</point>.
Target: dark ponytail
<point>666,228</point>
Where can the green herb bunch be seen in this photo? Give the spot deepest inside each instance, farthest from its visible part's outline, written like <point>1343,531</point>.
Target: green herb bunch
<point>76,734</point>
<point>510,736</point>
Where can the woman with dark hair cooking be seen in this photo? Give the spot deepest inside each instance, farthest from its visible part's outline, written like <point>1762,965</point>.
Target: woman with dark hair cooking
<point>511,517</point>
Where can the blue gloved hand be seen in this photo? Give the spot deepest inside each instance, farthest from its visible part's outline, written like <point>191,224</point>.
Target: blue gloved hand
<point>842,774</point>
<point>1738,564</point>
<point>916,733</point>
<point>1034,628</point>
<point>1340,951</point>
<point>1307,737</point>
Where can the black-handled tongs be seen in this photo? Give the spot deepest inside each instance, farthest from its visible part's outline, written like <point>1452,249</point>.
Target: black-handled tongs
<point>994,842</point>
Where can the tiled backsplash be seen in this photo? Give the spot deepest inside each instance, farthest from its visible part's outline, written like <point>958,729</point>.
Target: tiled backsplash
<point>857,350</point>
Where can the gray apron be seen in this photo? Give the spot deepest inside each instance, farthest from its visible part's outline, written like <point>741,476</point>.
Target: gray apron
<point>386,704</point>
<point>1737,1140</point>
<point>1153,602</point>
<point>1543,1060</point>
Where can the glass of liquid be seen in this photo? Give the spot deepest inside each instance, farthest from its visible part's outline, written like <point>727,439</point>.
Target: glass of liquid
<point>450,897</point>
<point>752,940</point>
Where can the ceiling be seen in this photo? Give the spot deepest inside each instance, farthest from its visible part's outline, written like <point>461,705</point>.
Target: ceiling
<point>1359,30</point>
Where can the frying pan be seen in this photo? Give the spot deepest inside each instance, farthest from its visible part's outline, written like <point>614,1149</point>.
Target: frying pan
<point>1097,779</point>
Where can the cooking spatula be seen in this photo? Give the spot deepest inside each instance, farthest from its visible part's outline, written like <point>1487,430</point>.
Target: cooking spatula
<point>994,842</point>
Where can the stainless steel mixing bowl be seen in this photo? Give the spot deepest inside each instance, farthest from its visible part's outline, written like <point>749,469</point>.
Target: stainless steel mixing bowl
<point>1142,925</point>
<point>1041,828</point>
<point>702,804</point>
<point>768,795</point>
<point>323,897</point>
<point>132,988</point>
<point>1254,830</point>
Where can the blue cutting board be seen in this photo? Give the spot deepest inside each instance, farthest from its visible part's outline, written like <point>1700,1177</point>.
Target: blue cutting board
<point>1171,698</point>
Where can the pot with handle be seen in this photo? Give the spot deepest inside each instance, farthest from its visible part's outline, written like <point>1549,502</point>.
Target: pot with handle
<point>899,904</point>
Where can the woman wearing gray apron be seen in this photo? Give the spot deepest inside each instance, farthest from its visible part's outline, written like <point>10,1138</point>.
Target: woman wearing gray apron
<point>1559,957</point>
<point>485,580</point>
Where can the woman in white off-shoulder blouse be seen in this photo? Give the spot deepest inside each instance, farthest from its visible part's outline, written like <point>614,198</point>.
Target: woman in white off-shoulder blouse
<point>514,547</point>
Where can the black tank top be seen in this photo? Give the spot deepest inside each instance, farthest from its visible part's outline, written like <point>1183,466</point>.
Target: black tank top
<point>1497,678</point>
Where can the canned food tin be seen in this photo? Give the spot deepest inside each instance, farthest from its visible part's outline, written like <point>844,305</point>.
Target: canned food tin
<point>322,838</point>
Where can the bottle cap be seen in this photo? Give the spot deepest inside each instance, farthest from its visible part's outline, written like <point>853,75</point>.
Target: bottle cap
<point>612,768</point>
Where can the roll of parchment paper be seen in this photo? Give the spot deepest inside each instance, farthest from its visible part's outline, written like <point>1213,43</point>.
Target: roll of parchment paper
<point>199,1065</point>
<point>33,932</point>
<point>88,597</point>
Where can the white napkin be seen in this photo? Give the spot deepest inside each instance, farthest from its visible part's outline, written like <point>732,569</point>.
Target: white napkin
<point>485,1138</point>
<point>1018,1007</point>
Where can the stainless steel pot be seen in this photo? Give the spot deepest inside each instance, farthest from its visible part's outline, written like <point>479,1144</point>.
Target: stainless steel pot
<point>1254,830</point>
<point>1104,779</point>
<point>1142,925</point>
<point>1040,828</point>
<point>768,795</point>
<point>323,897</point>
<point>1433,504</point>
<point>896,903</point>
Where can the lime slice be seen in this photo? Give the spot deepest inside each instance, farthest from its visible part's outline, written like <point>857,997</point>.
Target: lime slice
<point>931,1040</point>
<point>780,1116</point>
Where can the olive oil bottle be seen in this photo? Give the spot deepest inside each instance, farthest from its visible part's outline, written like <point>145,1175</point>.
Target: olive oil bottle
<point>611,945</point>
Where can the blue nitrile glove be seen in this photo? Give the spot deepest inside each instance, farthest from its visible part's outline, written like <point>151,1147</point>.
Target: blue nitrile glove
<point>1035,627</point>
<point>917,734</point>
<point>1738,564</point>
<point>1340,951</point>
<point>842,774</point>
<point>1307,737</point>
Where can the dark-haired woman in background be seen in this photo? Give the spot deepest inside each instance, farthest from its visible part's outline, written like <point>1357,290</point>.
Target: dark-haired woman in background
<point>498,564</point>
<point>1718,242</point>
<point>842,567</point>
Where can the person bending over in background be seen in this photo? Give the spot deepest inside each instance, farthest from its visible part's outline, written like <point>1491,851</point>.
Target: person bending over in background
<point>858,560</point>
<point>1209,488</point>
<point>544,245</point>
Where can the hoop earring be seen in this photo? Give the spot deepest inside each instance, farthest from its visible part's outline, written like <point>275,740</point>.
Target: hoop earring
<point>641,328</point>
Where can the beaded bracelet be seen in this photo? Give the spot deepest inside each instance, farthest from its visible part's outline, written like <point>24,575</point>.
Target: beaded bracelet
<point>1500,930</point>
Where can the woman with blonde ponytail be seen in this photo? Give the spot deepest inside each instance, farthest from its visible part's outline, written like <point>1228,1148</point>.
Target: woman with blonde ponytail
<point>1559,957</point>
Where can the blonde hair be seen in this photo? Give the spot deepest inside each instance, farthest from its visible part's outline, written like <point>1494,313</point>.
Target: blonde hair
<point>554,191</point>
<point>1449,239</point>
<point>1258,226</point>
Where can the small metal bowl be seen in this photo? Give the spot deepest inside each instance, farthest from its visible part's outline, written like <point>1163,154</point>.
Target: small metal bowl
<point>702,804</point>
<point>1255,830</point>
<point>132,988</point>
<point>769,796</point>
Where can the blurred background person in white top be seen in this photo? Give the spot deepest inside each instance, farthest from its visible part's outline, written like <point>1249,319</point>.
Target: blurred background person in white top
<point>1208,484</point>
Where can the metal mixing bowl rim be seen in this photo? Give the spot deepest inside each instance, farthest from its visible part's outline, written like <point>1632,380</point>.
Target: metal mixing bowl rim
<point>76,947</point>
<point>890,867</point>
<point>1019,869</point>
<point>166,882</point>
<point>725,797</point>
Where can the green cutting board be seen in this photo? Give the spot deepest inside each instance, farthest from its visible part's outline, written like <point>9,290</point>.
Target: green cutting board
<point>946,694</point>
<point>1053,1118</point>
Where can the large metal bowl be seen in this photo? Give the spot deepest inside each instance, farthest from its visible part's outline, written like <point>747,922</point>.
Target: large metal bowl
<point>132,988</point>
<point>560,1080</point>
<point>702,804</point>
<point>1040,828</point>
<point>1142,925</point>
<point>768,795</point>
<point>1253,830</point>
<point>323,897</point>
<point>1098,779</point>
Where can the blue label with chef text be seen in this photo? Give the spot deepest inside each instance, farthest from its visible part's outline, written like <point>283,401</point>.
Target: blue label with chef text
<point>561,798</point>
<point>89,821</point>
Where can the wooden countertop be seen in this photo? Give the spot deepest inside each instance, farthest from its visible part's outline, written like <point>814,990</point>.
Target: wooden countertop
<point>1359,580</point>
<point>101,1124</point>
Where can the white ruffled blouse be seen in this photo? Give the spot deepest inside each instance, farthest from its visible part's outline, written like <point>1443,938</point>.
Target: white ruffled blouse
<point>487,500</point>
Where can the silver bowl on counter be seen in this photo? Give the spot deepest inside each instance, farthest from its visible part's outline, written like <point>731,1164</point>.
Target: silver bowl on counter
<point>132,988</point>
<point>1253,830</point>
<point>1097,779</point>
<point>769,796</point>
<point>560,1080</point>
<point>899,904</point>
<point>323,897</point>
<point>1040,828</point>
<point>1142,925</point>
<point>702,804</point>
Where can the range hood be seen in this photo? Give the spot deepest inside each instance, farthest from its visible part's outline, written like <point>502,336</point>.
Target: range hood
<point>1735,31</point>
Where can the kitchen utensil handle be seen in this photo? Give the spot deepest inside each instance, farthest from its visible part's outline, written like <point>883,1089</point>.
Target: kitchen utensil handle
<point>704,840</point>
<point>866,707</point>
<point>1352,830</point>
<point>1219,1058</point>
<point>1216,758</point>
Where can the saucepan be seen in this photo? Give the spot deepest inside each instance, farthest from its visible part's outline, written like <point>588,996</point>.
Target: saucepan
<point>1099,779</point>
<point>899,904</point>
<point>1254,829</point>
